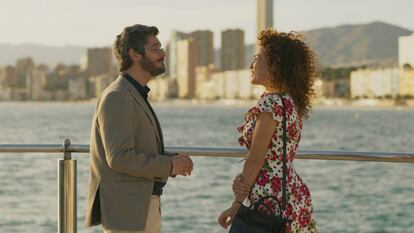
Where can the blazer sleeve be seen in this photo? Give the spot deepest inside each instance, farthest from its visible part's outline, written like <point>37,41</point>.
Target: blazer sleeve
<point>170,154</point>
<point>114,117</point>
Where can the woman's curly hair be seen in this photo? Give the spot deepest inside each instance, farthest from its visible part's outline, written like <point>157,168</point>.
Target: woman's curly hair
<point>291,65</point>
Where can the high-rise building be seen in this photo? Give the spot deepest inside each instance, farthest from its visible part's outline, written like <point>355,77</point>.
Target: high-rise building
<point>8,83</point>
<point>264,15</point>
<point>204,40</point>
<point>97,61</point>
<point>171,63</point>
<point>232,49</point>
<point>24,77</point>
<point>39,82</point>
<point>205,48</point>
<point>406,50</point>
<point>172,52</point>
<point>24,72</point>
<point>10,79</point>
<point>186,58</point>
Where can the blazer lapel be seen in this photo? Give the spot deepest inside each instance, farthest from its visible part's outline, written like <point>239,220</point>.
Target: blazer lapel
<point>141,102</point>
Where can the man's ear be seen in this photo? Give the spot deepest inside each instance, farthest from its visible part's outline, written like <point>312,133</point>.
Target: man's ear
<point>134,55</point>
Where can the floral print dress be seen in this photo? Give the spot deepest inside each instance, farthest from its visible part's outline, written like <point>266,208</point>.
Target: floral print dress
<point>299,209</point>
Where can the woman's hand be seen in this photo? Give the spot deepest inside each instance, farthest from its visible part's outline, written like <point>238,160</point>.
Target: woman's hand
<point>240,189</point>
<point>227,216</point>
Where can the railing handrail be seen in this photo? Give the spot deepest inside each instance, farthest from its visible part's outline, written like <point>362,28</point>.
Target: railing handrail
<point>400,157</point>
<point>67,172</point>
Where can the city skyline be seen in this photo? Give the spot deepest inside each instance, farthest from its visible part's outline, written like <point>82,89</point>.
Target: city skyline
<point>194,52</point>
<point>95,23</point>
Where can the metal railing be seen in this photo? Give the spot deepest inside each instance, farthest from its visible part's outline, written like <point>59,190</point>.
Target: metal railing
<point>67,170</point>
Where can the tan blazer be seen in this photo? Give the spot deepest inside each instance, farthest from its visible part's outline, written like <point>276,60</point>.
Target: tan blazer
<point>125,159</point>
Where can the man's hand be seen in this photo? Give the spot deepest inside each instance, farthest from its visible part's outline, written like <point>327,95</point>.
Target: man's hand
<point>240,189</point>
<point>182,165</point>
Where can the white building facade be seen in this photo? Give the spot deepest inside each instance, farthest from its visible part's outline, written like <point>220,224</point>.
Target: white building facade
<point>377,83</point>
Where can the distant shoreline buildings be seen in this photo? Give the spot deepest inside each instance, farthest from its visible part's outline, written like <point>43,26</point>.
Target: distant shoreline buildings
<point>28,81</point>
<point>387,82</point>
<point>192,72</point>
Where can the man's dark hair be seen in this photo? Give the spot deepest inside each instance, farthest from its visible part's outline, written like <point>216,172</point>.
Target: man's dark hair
<point>132,37</point>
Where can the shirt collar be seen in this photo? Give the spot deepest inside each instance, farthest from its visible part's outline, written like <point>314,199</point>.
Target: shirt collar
<point>142,90</point>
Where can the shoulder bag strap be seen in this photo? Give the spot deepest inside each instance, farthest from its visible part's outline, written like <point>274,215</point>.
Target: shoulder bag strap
<point>284,157</point>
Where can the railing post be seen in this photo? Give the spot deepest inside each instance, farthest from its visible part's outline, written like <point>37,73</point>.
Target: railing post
<point>67,192</point>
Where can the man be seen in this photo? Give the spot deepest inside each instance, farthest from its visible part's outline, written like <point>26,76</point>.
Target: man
<point>129,166</point>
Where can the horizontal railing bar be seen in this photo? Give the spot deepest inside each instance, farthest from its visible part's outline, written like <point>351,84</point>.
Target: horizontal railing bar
<point>399,157</point>
<point>31,148</point>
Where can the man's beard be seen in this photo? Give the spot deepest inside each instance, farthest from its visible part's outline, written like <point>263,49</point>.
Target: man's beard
<point>150,67</point>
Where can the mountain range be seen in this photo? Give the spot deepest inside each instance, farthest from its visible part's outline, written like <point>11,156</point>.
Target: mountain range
<point>341,46</point>
<point>349,45</point>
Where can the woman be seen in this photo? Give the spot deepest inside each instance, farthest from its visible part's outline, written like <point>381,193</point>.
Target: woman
<point>285,66</point>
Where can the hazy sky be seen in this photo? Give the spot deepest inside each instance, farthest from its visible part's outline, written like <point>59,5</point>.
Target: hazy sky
<point>96,22</point>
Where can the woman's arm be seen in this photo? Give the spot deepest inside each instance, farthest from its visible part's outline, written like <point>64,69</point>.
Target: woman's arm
<point>262,136</point>
<point>263,132</point>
